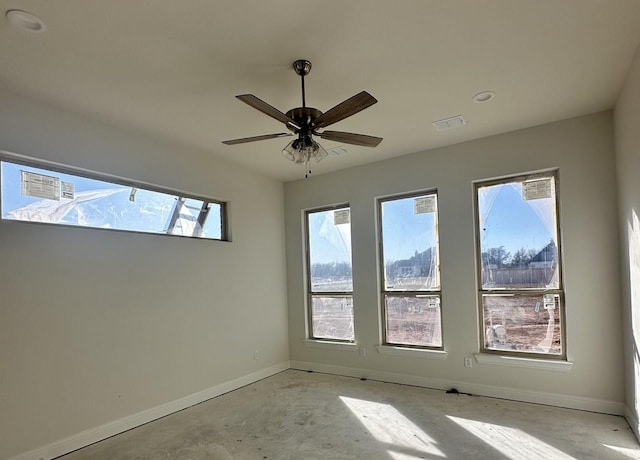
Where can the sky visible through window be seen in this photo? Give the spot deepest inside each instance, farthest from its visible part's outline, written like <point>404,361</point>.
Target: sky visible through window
<point>507,219</point>
<point>405,231</point>
<point>102,204</point>
<point>330,243</point>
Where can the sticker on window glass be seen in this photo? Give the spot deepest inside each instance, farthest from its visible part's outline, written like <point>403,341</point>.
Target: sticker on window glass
<point>68,190</point>
<point>424,204</point>
<point>341,216</point>
<point>40,186</point>
<point>549,302</point>
<point>536,189</point>
<point>433,302</point>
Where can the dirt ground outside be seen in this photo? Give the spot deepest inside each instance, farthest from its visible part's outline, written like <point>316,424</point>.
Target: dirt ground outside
<point>523,322</point>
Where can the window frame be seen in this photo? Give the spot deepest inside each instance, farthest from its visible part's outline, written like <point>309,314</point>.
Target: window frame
<point>559,291</point>
<point>310,293</point>
<point>22,160</point>
<point>384,292</point>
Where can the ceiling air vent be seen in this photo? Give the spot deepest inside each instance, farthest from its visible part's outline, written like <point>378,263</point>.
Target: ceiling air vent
<point>449,123</point>
<point>339,150</point>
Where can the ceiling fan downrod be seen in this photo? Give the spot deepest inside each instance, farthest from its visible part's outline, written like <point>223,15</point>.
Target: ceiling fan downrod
<point>302,67</point>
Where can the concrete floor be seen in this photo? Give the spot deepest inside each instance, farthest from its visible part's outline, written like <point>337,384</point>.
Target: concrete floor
<point>297,415</point>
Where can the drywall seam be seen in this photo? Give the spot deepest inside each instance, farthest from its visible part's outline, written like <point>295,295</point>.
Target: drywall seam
<point>550,399</point>
<point>92,435</point>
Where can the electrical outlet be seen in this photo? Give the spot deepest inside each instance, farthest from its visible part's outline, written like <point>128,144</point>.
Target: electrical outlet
<point>468,361</point>
<point>256,355</point>
<point>363,352</point>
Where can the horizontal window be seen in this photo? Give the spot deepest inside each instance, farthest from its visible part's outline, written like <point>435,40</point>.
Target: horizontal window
<point>38,194</point>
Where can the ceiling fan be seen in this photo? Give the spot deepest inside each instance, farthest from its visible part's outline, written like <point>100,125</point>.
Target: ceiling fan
<point>304,122</point>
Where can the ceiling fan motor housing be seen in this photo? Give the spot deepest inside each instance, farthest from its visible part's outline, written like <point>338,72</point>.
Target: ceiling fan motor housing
<point>304,117</point>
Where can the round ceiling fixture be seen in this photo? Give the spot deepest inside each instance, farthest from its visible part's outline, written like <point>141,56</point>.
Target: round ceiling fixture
<point>26,21</point>
<point>484,96</point>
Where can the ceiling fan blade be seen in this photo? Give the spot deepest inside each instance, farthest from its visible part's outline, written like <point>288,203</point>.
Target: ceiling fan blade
<point>351,138</point>
<point>267,109</point>
<point>345,109</point>
<point>244,140</point>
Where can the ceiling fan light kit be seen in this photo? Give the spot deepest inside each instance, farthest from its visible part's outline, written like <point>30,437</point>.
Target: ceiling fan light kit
<point>301,151</point>
<point>304,122</point>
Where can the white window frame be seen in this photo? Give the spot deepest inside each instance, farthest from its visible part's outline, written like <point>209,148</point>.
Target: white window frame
<point>310,293</point>
<point>559,291</point>
<point>393,347</point>
<point>21,160</point>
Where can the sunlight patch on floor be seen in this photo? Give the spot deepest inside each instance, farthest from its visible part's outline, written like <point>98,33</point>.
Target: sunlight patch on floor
<point>389,426</point>
<point>627,452</point>
<point>511,442</point>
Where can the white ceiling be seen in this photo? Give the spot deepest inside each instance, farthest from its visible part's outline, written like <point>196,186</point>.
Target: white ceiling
<point>171,68</point>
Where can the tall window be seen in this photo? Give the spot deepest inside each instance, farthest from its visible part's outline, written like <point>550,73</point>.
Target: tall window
<point>520,295</point>
<point>34,193</point>
<point>330,283</point>
<point>411,276</point>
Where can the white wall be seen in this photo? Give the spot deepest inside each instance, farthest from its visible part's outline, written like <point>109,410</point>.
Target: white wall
<point>582,149</point>
<point>627,141</point>
<point>98,325</point>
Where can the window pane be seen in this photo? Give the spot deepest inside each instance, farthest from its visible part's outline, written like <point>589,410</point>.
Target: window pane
<point>413,320</point>
<point>39,195</point>
<point>410,243</point>
<point>518,234</point>
<point>330,250</point>
<point>522,322</point>
<point>332,317</point>
<point>213,223</point>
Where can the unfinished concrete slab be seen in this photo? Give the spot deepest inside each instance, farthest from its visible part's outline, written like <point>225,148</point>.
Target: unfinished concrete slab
<point>299,415</point>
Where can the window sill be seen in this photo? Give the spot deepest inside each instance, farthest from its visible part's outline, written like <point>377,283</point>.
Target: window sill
<point>411,352</point>
<point>530,363</point>
<point>311,343</point>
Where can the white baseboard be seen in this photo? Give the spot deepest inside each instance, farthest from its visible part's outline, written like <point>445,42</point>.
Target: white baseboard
<point>632,420</point>
<point>107,430</point>
<point>549,399</point>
